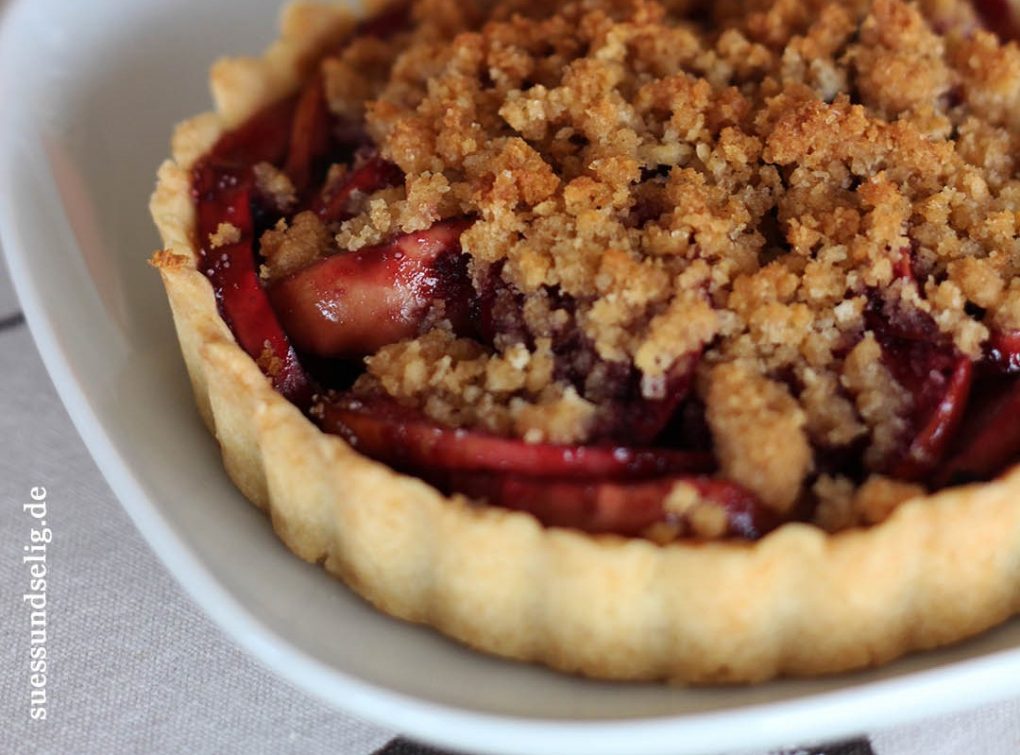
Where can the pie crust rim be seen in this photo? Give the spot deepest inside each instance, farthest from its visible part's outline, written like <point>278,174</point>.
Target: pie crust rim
<point>943,567</point>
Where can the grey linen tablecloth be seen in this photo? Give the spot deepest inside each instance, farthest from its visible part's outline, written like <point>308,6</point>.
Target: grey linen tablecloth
<point>134,667</point>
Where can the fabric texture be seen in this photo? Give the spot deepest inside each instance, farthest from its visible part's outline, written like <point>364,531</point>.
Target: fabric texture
<point>134,666</point>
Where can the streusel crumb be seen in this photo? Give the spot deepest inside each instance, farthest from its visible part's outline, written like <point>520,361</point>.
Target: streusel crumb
<point>693,514</point>
<point>276,185</point>
<point>841,506</point>
<point>458,383</point>
<point>759,432</point>
<point>226,233</point>
<point>287,248</point>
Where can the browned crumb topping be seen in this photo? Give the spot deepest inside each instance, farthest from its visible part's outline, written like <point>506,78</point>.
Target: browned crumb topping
<point>743,178</point>
<point>759,432</point>
<point>268,362</point>
<point>841,506</point>
<point>413,207</point>
<point>275,185</point>
<point>692,515</point>
<point>226,233</point>
<point>164,259</point>
<point>459,383</point>
<point>288,248</point>
<point>881,402</point>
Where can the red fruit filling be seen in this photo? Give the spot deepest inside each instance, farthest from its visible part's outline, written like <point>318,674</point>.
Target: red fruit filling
<point>628,415</point>
<point>903,265</point>
<point>644,420</point>
<point>597,488</point>
<point>989,440</point>
<point>223,189</point>
<point>309,136</point>
<point>621,508</point>
<point>1003,350</point>
<point>942,399</point>
<point>349,305</point>
<point>384,430</point>
<point>999,17</point>
<point>938,380</point>
<point>371,173</point>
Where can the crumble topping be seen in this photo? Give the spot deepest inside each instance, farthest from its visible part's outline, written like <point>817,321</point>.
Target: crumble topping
<point>747,181</point>
<point>276,185</point>
<point>759,432</point>
<point>881,402</point>
<point>841,506</point>
<point>694,515</point>
<point>290,247</point>
<point>414,207</point>
<point>459,383</point>
<point>226,234</point>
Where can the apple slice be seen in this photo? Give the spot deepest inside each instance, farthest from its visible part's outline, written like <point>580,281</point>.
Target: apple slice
<point>370,174</point>
<point>622,508</point>
<point>937,423</point>
<point>264,138</point>
<point>641,420</point>
<point>222,187</point>
<point>989,440</point>
<point>354,303</point>
<point>310,134</point>
<point>1003,350</point>
<point>404,438</point>
<point>936,376</point>
<point>242,300</point>
<point>595,488</point>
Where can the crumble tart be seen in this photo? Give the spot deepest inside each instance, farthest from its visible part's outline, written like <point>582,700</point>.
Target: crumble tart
<point>643,340</point>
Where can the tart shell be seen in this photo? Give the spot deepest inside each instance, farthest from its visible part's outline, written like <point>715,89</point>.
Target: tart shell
<point>799,602</point>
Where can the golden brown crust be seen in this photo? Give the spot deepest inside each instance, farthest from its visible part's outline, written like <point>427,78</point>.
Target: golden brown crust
<point>798,602</point>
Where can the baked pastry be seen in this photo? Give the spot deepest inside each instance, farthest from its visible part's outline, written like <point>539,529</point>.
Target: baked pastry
<point>644,340</point>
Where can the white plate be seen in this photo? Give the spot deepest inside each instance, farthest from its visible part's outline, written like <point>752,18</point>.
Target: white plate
<point>90,91</point>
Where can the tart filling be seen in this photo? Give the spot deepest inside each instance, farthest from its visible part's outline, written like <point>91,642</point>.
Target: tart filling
<point>643,269</point>
<point>711,605</point>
